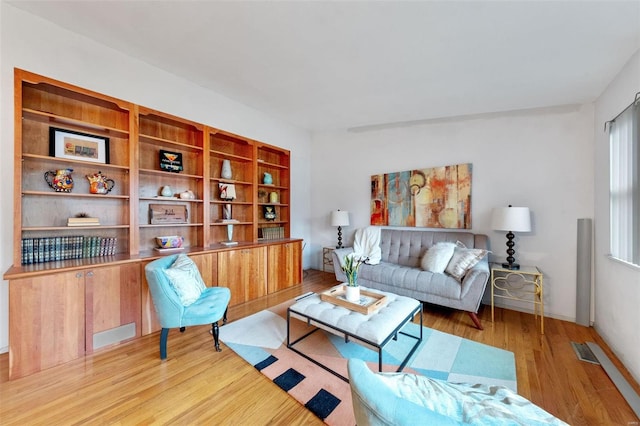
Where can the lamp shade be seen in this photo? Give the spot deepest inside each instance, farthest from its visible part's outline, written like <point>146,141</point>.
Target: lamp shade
<point>339,218</point>
<point>515,219</point>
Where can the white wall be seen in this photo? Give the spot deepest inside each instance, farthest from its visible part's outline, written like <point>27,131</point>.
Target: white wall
<point>617,286</point>
<point>36,45</point>
<point>542,159</point>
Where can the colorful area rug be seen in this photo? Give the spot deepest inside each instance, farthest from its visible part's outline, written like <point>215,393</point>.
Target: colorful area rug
<point>261,339</point>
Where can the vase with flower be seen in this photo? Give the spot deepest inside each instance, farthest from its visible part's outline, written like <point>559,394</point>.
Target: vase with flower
<point>350,266</point>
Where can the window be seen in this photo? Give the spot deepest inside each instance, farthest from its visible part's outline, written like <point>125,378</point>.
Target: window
<point>624,189</point>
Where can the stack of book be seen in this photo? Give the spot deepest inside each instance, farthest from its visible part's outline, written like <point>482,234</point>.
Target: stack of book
<point>83,221</point>
<point>273,233</point>
<point>49,249</point>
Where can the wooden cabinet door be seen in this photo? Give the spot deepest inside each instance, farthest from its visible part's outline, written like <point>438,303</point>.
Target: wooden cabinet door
<point>112,312</point>
<point>207,264</point>
<point>284,266</point>
<point>244,272</point>
<point>46,322</point>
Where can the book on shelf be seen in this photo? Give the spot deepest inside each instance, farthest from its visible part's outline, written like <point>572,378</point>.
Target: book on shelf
<point>50,249</point>
<point>273,233</point>
<point>83,221</point>
<point>168,250</point>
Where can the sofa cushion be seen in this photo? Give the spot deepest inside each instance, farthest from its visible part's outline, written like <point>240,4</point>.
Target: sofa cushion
<point>437,258</point>
<point>404,247</point>
<point>410,281</point>
<point>463,259</point>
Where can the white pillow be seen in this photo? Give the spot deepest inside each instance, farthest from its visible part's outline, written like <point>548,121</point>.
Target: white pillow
<point>437,257</point>
<point>185,279</point>
<point>463,259</point>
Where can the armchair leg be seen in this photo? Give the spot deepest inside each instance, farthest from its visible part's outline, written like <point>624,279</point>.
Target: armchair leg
<point>216,335</point>
<point>163,343</point>
<point>224,318</point>
<point>475,320</point>
<point>182,329</point>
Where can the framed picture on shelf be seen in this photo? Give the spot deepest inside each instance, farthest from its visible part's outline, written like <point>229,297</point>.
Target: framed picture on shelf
<point>170,161</point>
<point>74,145</point>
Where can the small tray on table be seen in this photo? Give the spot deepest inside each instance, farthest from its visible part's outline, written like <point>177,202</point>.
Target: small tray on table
<point>369,301</point>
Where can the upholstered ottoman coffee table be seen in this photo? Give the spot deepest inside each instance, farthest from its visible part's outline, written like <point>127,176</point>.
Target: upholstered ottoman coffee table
<point>374,330</point>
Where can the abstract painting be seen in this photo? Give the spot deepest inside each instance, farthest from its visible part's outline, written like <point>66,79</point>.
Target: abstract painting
<point>437,197</point>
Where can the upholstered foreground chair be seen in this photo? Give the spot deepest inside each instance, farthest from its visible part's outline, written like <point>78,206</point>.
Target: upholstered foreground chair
<point>407,399</point>
<point>181,298</point>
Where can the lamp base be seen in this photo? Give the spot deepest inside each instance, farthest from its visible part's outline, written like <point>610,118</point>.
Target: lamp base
<point>511,266</point>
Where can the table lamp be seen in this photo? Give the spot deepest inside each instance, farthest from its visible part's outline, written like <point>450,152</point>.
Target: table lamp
<point>339,218</point>
<point>511,219</point>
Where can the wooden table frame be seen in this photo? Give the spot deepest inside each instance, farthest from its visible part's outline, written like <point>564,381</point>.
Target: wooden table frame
<point>350,336</point>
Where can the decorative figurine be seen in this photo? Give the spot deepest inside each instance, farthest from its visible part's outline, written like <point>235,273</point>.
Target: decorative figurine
<point>99,184</point>
<point>59,180</point>
<point>187,195</point>
<point>270,212</point>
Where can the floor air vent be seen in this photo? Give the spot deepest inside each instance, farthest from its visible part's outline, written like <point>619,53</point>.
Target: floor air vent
<point>584,353</point>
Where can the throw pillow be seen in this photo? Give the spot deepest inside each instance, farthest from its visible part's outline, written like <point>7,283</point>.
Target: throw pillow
<point>185,279</point>
<point>464,259</point>
<point>437,257</point>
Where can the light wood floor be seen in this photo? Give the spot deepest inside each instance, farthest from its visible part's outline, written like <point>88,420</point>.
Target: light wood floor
<point>129,384</point>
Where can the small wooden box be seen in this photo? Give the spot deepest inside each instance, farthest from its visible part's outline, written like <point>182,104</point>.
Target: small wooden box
<point>167,213</point>
<point>369,301</point>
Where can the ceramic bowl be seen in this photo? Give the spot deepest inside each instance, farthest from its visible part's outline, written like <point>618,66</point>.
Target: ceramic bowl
<point>170,241</point>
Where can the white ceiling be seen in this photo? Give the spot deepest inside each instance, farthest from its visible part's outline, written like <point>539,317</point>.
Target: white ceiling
<point>336,64</point>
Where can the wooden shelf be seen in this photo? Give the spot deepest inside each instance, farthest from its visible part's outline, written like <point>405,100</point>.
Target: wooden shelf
<point>63,122</point>
<point>96,294</point>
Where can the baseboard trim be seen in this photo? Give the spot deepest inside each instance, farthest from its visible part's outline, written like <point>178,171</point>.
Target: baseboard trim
<point>616,377</point>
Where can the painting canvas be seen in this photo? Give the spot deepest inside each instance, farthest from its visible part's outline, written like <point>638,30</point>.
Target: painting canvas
<point>438,197</point>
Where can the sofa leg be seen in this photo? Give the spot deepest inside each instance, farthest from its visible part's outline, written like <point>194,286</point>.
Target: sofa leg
<point>475,320</point>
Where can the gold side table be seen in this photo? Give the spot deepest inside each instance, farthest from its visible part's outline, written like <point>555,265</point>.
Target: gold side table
<point>524,284</point>
<point>327,259</point>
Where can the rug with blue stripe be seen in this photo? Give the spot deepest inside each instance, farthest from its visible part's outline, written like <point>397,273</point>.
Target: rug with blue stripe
<point>261,340</point>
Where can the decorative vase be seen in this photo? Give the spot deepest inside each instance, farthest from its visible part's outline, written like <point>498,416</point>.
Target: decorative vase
<point>267,179</point>
<point>353,293</point>
<point>226,169</point>
<point>273,198</point>
<point>59,180</point>
<point>352,278</point>
<point>166,191</point>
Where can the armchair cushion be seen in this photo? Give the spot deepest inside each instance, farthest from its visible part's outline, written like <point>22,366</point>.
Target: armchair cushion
<point>185,279</point>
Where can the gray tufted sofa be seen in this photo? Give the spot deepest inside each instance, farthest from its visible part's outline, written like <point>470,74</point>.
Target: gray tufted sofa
<point>399,270</point>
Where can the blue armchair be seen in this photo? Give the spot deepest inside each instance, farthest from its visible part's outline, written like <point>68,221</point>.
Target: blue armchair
<point>407,399</point>
<point>181,299</point>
